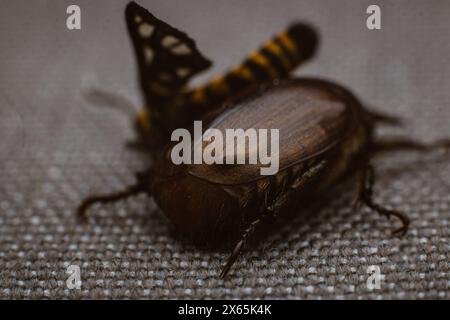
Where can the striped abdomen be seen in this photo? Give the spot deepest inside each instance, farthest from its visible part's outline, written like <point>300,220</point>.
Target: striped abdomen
<point>275,59</point>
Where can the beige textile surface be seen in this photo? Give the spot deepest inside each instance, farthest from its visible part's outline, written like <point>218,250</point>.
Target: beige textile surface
<point>56,148</point>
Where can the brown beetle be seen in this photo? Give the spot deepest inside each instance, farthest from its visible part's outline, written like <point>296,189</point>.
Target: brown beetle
<point>325,133</point>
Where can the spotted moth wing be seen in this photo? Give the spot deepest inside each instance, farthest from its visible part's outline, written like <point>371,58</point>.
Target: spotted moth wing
<point>167,57</point>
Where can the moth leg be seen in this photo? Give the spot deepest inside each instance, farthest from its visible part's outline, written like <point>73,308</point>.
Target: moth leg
<point>408,144</point>
<point>366,196</point>
<point>271,211</point>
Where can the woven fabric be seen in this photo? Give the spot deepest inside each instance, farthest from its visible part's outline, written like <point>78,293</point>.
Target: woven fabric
<point>56,148</point>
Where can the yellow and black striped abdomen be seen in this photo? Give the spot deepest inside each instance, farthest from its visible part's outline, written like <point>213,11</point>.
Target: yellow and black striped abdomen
<point>275,59</point>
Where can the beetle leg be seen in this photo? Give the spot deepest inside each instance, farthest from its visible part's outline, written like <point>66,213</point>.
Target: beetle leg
<point>143,182</point>
<point>88,202</point>
<point>366,197</point>
<point>271,211</point>
<point>358,189</point>
<point>381,117</point>
<point>407,144</point>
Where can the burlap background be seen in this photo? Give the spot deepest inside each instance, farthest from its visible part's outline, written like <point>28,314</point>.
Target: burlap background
<point>56,148</point>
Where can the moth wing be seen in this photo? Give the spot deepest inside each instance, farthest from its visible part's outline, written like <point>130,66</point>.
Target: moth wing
<point>167,57</point>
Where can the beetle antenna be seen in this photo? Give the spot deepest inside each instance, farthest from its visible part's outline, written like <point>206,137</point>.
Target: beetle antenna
<point>112,197</point>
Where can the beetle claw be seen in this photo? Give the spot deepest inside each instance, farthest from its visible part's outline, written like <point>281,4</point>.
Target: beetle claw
<point>232,259</point>
<point>356,203</point>
<point>403,218</point>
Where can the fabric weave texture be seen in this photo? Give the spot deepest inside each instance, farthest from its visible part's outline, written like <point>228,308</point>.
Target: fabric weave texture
<point>56,147</point>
